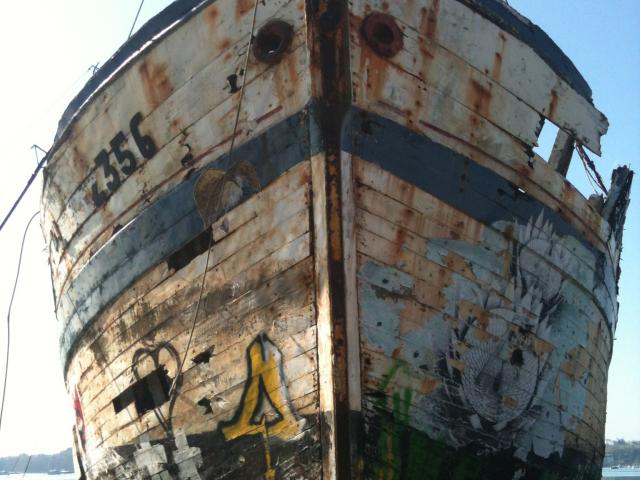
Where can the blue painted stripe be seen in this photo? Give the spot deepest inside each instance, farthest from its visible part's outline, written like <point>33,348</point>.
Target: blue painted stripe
<point>528,32</point>
<point>466,185</point>
<point>167,225</point>
<point>172,221</point>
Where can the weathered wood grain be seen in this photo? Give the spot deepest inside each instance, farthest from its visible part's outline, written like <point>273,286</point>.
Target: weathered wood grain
<point>259,281</point>
<point>256,250</point>
<point>583,269</point>
<point>504,58</point>
<point>198,115</point>
<point>450,123</point>
<point>415,292</point>
<point>383,281</point>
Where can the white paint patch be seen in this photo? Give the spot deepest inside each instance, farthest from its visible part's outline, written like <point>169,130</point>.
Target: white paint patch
<point>188,459</point>
<point>153,458</point>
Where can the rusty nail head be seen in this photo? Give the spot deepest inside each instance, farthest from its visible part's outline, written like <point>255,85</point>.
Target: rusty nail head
<point>272,41</point>
<point>382,34</point>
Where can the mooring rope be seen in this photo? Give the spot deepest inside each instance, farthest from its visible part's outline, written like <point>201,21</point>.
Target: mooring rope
<point>590,167</point>
<point>172,390</point>
<point>135,19</point>
<point>13,293</point>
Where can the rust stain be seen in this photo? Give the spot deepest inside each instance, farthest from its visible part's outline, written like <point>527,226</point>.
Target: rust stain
<point>456,364</point>
<point>496,71</point>
<point>281,84</point>
<point>569,194</point>
<point>285,77</point>
<point>423,62</point>
<point>497,67</point>
<point>242,7</point>
<point>507,255</point>
<point>211,16</point>
<point>79,162</point>
<point>401,233</point>
<point>553,104</point>
<point>483,336</point>
<point>573,369</point>
<point>398,242</point>
<point>224,44</point>
<point>468,310</point>
<point>155,82</point>
<point>376,76</point>
<point>458,264</point>
<point>400,112</point>
<point>541,347</point>
<point>455,231</point>
<point>413,316</point>
<point>407,193</point>
<point>270,113</point>
<point>475,122</point>
<point>334,224</point>
<point>429,21</point>
<point>373,69</point>
<point>429,385</point>
<point>524,172</point>
<point>437,298</point>
<point>305,178</point>
<point>292,69</point>
<point>479,98</point>
<point>175,125</point>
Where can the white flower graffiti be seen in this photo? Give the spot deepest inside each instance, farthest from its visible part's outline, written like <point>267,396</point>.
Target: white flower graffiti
<point>507,342</point>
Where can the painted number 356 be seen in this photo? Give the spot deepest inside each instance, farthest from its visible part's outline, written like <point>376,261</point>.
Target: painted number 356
<point>124,158</point>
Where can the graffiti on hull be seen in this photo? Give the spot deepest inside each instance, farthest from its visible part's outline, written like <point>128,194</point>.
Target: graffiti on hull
<point>507,338</point>
<point>77,407</point>
<point>265,389</point>
<point>155,389</point>
<point>496,339</point>
<point>216,191</point>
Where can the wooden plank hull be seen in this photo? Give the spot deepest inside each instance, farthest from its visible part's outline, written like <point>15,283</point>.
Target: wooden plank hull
<point>379,280</point>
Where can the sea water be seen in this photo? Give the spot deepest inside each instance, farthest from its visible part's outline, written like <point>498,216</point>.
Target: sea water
<point>607,473</point>
<point>39,476</point>
<point>612,474</point>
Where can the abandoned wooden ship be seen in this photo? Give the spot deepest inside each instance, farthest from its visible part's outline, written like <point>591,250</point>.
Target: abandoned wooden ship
<point>311,239</point>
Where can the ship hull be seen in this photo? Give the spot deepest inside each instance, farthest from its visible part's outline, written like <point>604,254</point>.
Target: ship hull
<point>343,262</point>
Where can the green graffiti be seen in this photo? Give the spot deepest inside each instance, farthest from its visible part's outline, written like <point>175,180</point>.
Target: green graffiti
<point>550,476</point>
<point>394,426</point>
<point>406,453</point>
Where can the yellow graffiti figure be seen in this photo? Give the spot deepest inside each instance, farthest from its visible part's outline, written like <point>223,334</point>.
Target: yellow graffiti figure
<point>265,386</point>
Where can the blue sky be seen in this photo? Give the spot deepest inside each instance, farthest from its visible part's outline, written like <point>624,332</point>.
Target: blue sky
<point>47,48</point>
<point>603,40</point>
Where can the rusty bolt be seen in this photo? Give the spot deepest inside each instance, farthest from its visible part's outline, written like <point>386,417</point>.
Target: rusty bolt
<point>382,34</point>
<point>272,41</point>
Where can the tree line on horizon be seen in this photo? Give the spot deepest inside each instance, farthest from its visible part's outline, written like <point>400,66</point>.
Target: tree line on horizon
<point>617,452</point>
<point>41,463</point>
<point>621,452</point>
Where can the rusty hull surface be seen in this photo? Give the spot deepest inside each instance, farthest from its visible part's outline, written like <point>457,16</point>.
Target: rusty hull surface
<point>389,283</point>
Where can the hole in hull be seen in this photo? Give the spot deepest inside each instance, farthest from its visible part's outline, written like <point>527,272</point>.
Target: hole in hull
<point>148,393</point>
<point>203,357</point>
<point>382,34</point>
<point>272,41</point>
<point>191,250</point>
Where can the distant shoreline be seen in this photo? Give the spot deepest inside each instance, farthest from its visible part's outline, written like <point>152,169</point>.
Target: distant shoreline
<point>40,463</point>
